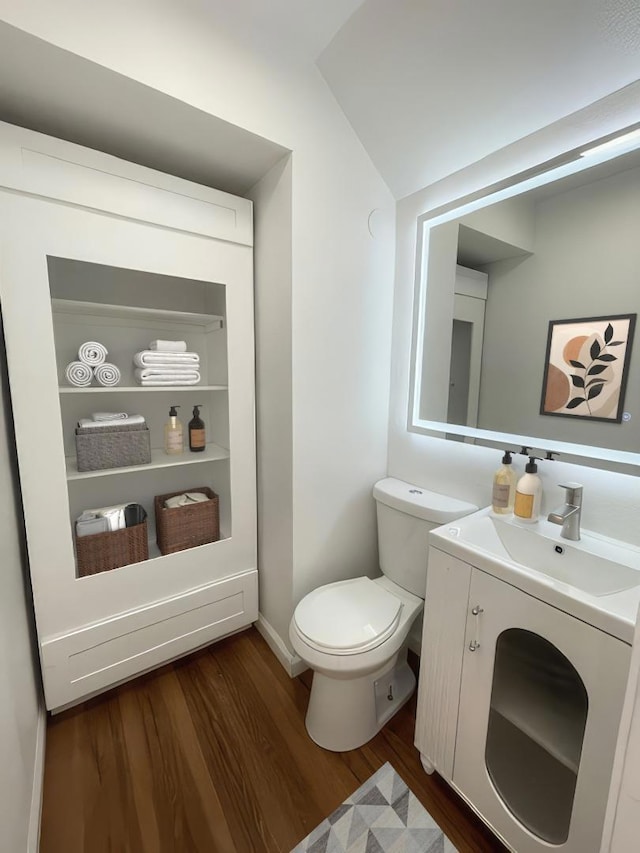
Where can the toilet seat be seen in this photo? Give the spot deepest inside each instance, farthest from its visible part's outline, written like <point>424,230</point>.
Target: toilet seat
<point>347,617</point>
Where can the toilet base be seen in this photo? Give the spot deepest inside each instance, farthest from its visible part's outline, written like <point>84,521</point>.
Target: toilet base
<point>344,714</point>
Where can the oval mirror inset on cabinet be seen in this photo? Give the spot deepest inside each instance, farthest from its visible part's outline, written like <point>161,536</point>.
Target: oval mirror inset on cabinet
<point>537,719</point>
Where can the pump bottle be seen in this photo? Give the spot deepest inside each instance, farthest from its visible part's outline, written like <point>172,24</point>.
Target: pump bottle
<point>197,438</point>
<point>528,494</point>
<point>173,443</point>
<point>504,487</point>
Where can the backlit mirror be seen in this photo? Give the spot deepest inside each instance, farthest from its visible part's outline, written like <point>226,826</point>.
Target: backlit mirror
<point>525,312</point>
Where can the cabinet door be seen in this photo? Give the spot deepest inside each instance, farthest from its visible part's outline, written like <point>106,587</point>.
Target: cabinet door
<point>540,706</point>
<point>100,629</point>
<point>443,634</point>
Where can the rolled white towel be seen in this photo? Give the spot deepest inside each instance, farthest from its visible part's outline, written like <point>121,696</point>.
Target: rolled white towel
<point>107,374</point>
<point>130,420</point>
<point>161,376</point>
<point>79,374</point>
<point>92,353</point>
<point>172,360</point>
<point>168,346</point>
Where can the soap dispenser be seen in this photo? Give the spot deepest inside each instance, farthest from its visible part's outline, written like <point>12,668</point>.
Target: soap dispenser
<point>173,443</point>
<point>528,494</point>
<point>197,438</point>
<point>504,487</point>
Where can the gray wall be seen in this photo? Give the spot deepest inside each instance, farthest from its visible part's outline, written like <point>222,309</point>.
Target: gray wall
<point>20,685</point>
<point>585,263</point>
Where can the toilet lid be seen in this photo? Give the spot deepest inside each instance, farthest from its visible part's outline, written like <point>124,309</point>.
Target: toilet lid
<point>348,616</point>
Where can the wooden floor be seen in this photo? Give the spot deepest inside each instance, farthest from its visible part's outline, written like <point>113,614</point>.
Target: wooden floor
<point>211,754</point>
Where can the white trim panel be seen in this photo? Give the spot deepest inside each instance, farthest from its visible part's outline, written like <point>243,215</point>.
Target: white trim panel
<point>97,656</point>
<point>51,168</point>
<point>292,664</point>
<point>33,839</point>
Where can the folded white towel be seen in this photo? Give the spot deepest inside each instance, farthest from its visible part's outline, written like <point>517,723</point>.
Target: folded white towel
<point>185,499</point>
<point>155,383</point>
<point>108,416</point>
<point>113,514</point>
<point>130,420</point>
<point>92,353</point>
<point>107,374</point>
<point>88,524</point>
<point>170,360</point>
<point>168,346</point>
<point>162,376</point>
<point>79,374</point>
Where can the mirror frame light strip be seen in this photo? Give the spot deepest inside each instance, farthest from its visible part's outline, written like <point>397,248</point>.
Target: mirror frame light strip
<point>461,207</point>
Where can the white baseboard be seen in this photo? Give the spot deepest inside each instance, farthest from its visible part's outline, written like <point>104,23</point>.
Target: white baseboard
<point>33,842</point>
<point>292,664</point>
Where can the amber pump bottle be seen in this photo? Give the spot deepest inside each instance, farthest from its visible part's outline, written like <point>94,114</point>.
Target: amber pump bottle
<point>197,438</point>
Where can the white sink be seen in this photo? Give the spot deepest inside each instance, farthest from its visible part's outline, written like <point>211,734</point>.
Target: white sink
<point>596,565</point>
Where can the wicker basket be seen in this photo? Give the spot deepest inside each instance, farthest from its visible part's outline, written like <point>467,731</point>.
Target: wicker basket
<point>102,552</point>
<point>98,448</point>
<point>185,527</point>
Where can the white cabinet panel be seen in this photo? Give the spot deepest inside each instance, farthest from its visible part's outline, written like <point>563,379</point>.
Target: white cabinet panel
<point>448,581</point>
<point>98,656</point>
<point>537,720</point>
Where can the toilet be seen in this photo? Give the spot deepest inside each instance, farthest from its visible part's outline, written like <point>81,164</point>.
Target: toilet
<point>353,633</point>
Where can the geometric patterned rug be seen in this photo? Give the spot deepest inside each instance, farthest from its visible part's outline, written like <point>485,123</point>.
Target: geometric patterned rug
<point>383,816</point>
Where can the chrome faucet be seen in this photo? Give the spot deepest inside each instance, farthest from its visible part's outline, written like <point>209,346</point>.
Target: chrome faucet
<point>569,514</point>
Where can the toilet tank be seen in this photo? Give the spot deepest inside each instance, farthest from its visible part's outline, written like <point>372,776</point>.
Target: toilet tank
<point>406,514</point>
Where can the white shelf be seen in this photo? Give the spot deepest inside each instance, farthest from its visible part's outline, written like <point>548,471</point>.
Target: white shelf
<point>543,714</point>
<point>159,459</point>
<point>128,389</point>
<point>209,322</point>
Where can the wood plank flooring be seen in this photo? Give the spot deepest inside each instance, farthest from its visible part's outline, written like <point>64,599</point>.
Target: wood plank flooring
<point>211,754</point>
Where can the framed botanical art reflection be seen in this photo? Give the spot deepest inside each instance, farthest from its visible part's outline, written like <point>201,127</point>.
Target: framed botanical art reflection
<point>586,367</point>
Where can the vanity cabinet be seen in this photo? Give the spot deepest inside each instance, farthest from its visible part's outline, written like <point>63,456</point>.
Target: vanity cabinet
<point>92,248</point>
<point>518,708</point>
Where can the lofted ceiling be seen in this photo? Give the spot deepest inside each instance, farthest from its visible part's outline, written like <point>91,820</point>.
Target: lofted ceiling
<point>298,28</point>
<point>431,86</point>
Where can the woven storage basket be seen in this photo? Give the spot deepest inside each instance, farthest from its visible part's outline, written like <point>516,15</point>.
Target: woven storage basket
<point>185,527</point>
<point>98,448</point>
<point>101,552</point>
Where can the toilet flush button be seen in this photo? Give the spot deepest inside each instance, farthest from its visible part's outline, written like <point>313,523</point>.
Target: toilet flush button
<point>453,531</point>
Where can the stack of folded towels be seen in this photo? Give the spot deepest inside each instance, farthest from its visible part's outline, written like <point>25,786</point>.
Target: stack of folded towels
<point>92,363</point>
<point>167,363</point>
<point>110,419</point>
<point>106,519</point>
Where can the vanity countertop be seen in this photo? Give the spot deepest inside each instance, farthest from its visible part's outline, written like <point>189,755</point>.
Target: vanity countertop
<point>593,579</point>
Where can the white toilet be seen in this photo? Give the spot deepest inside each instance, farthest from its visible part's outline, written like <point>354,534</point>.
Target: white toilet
<point>353,633</point>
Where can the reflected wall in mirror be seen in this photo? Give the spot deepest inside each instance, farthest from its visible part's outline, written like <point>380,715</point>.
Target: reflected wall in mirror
<point>496,272</point>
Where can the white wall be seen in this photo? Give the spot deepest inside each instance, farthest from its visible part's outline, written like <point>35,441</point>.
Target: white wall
<point>274,410</point>
<point>20,713</point>
<point>342,277</point>
<point>612,501</point>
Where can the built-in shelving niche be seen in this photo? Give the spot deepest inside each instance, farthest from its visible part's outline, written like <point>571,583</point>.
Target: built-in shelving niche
<point>124,310</point>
